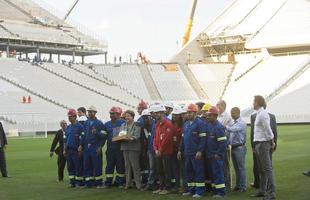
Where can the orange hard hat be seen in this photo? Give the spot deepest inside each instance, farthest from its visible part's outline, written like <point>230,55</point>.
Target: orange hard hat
<point>71,112</point>
<point>192,108</point>
<point>213,110</point>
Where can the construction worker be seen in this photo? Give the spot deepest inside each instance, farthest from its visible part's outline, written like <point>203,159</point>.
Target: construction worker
<point>169,108</point>
<point>141,106</point>
<point>225,119</point>
<point>114,156</point>
<point>177,123</point>
<point>149,126</point>
<point>82,117</point>
<point>204,111</point>
<point>193,145</point>
<point>216,148</point>
<point>92,143</point>
<point>72,138</point>
<point>163,146</point>
<point>204,114</point>
<point>145,134</point>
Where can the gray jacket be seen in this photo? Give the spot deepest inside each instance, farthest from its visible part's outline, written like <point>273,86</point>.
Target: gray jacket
<point>135,132</point>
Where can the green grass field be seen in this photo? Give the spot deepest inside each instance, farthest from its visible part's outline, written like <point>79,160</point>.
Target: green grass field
<point>34,173</point>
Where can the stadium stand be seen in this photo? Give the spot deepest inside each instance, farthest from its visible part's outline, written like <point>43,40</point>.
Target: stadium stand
<point>28,116</point>
<point>36,32</point>
<point>127,76</point>
<point>260,80</point>
<point>108,91</point>
<point>172,85</point>
<point>57,88</point>
<point>212,77</point>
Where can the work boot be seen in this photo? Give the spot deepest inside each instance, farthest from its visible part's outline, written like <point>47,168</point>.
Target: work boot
<point>306,173</point>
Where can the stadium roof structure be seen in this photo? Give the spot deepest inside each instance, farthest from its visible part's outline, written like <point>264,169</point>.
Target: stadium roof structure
<point>25,27</point>
<point>252,25</point>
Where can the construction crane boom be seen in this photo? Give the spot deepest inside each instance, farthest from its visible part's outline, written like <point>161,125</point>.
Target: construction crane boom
<point>190,24</point>
<point>70,10</point>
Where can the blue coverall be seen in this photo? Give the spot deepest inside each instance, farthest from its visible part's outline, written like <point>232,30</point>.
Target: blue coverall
<point>93,140</point>
<point>193,141</point>
<point>216,144</point>
<point>73,134</point>
<point>114,156</point>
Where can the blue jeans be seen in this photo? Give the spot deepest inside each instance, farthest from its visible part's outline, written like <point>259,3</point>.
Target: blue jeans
<point>152,167</point>
<point>238,159</point>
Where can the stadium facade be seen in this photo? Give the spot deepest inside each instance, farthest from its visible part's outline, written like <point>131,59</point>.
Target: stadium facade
<point>252,47</point>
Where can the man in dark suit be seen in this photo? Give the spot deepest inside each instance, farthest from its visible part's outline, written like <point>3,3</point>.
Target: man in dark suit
<point>59,139</point>
<point>3,143</point>
<point>273,125</point>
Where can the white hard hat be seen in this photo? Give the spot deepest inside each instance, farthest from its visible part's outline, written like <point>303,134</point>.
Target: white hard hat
<point>92,108</point>
<point>168,104</point>
<point>183,110</point>
<point>158,108</point>
<point>146,112</point>
<point>177,110</point>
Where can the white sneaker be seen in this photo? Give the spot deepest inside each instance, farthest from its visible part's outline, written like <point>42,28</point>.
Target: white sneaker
<point>217,196</point>
<point>197,196</point>
<point>157,191</point>
<point>186,194</point>
<point>163,192</point>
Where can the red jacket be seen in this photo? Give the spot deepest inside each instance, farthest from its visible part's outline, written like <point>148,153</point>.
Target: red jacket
<point>177,135</point>
<point>163,138</point>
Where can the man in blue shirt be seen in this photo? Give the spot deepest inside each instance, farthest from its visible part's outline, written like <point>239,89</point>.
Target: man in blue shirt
<point>216,148</point>
<point>114,155</point>
<point>92,143</point>
<point>237,139</point>
<point>72,138</point>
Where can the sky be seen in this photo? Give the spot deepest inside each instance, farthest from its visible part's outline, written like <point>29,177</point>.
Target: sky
<point>153,27</point>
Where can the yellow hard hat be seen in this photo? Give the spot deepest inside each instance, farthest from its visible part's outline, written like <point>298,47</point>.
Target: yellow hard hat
<point>206,107</point>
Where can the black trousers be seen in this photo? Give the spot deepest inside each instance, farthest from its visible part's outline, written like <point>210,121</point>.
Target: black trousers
<point>164,171</point>
<point>61,163</point>
<point>3,163</point>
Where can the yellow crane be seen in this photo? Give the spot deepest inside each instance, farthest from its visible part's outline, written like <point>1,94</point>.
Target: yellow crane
<point>190,24</point>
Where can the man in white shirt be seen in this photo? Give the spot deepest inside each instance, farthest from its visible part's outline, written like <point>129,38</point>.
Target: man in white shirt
<point>225,119</point>
<point>263,143</point>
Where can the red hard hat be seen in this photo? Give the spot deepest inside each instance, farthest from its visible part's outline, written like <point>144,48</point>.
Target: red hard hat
<point>71,112</point>
<point>117,110</point>
<point>192,108</point>
<point>142,104</point>
<point>213,110</point>
<point>120,110</point>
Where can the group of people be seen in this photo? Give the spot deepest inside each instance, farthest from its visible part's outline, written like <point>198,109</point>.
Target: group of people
<point>168,149</point>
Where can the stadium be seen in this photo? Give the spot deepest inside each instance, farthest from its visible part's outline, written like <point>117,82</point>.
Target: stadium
<point>250,48</point>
